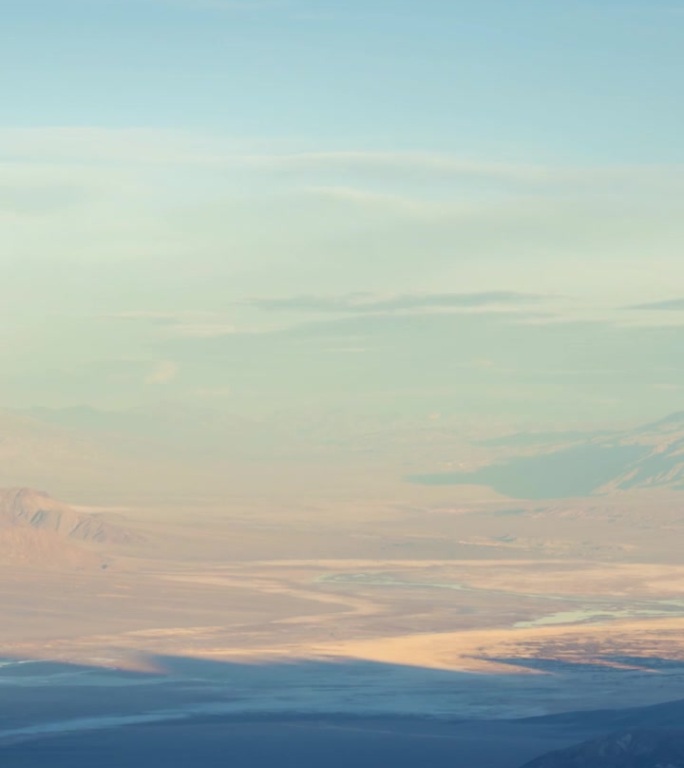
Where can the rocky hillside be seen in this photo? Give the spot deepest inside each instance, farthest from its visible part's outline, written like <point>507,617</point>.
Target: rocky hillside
<point>37,529</point>
<point>631,749</point>
<point>26,508</point>
<point>662,464</point>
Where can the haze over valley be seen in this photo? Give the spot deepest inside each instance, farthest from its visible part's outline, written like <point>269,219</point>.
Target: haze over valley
<point>341,384</point>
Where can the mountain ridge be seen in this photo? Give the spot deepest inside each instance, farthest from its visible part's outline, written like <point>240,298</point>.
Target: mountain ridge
<point>36,529</point>
<point>645,458</point>
<point>639,748</point>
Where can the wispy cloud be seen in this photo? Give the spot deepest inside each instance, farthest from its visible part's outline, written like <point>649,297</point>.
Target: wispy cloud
<point>225,5</point>
<point>117,206</point>
<point>185,324</point>
<point>361,303</point>
<point>667,306</point>
<point>162,373</point>
<point>413,164</point>
<point>87,146</point>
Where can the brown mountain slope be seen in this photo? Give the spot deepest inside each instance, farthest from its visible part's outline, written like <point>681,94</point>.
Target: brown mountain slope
<point>37,529</point>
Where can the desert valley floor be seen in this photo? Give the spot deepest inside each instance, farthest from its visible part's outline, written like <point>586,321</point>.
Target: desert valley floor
<point>526,627</point>
<point>414,607</point>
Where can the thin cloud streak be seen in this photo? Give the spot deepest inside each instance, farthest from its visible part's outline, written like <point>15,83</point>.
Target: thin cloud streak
<point>89,146</point>
<point>163,372</point>
<point>225,5</point>
<point>676,305</point>
<point>363,303</point>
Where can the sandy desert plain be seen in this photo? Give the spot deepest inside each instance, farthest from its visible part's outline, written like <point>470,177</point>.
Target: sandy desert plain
<point>406,600</point>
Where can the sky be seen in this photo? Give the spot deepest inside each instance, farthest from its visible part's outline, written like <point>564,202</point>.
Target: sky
<point>468,209</point>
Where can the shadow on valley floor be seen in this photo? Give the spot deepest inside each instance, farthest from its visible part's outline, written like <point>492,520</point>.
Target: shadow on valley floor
<point>187,712</point>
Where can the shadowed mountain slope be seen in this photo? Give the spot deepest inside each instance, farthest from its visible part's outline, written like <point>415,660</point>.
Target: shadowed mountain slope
<point>632,749</point>
<point>569,465</point>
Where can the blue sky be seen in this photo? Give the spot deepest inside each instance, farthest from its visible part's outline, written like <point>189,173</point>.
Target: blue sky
<point>582,81</point>
<point>193,192</point>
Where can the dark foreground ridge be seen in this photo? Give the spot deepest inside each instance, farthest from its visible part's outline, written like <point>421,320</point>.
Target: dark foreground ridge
<point>648,748</point>
<point>180,712</point>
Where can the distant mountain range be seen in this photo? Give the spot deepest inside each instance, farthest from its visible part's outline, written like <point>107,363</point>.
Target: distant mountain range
<point>564,465</point>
